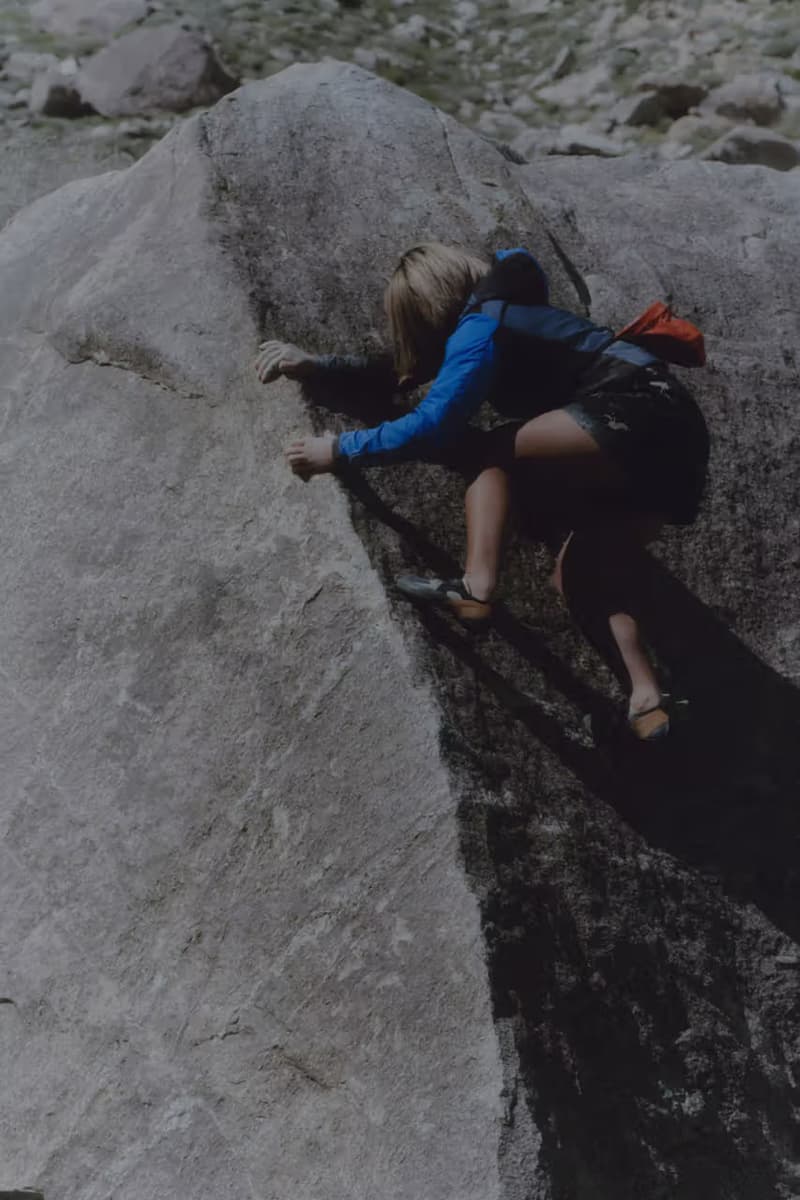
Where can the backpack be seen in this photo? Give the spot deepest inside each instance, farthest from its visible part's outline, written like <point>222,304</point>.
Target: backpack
<point>517,278</point>
<point>666,336</point>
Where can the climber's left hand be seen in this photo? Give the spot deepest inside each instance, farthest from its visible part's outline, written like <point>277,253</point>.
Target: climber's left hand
<point>311,455</point>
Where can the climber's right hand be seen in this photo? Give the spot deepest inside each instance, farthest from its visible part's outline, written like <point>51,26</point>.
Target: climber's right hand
<point>282,358</point>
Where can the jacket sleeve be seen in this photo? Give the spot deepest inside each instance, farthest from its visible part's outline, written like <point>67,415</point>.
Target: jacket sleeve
<point>365,370</point>
<point>455,395</point>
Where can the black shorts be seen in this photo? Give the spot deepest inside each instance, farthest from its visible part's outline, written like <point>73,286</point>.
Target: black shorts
<point>642,418</point>
<point>650,424</point>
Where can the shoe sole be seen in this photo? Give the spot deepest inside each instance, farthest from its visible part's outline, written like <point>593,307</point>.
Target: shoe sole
<point>468,610</point>
<point>471,612</point>
<point>649,727</point>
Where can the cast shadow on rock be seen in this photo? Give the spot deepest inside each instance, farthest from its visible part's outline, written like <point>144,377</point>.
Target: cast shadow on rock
<point>720,793</point>
<point>630,1096</point>
<point>724,796</point>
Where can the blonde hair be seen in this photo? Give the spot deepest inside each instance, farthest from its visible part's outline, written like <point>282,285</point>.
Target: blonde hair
<point>426,293</point>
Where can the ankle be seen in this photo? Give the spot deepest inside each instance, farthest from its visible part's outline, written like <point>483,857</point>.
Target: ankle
<point>479,586</point>
<point>644,697</point>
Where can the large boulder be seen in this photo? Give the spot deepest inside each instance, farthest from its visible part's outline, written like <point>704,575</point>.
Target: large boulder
<point>300,898</point>
<point>163,67</point>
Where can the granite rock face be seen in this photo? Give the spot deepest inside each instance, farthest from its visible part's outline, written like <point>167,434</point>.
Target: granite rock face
<point>300,895</point>
<point>232,903</point>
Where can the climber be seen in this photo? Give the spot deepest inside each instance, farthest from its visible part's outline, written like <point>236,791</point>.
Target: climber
<point>593,417</point>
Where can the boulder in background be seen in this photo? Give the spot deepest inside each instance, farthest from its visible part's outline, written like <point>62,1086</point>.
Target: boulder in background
<point>164,67</point>
<point>755,98</point>
<point>747,144</point>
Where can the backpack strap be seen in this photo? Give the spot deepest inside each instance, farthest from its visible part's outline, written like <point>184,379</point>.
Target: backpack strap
<point>516,278</point>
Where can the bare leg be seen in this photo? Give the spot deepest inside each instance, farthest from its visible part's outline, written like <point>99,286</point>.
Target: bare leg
<point>557,435</point>
<point>644,690</point>
<point>569,457</point>
<point>601,570</point>
<point>486,506</point>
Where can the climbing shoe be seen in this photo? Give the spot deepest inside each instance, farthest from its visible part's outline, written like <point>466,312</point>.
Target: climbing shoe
<point>449,593</point>
<point>650,725</point>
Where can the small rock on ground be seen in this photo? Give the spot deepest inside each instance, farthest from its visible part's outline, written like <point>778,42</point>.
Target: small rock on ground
<point>747,98</point>
<point>747,144</point>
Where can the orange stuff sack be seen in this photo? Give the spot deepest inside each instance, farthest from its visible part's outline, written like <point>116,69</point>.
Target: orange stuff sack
<point>667,336</point>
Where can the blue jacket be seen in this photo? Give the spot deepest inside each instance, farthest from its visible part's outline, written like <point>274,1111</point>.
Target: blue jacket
<point>510,347</point>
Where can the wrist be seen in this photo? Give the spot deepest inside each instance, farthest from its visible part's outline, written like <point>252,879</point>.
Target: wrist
<point>321,363</point>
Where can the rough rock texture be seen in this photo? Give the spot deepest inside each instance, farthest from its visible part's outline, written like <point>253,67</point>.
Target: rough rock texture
<point>37,161</point>
<point>88,18</point>
<point>296,898</point>
<point>241,949</point>
<point>165,67</point>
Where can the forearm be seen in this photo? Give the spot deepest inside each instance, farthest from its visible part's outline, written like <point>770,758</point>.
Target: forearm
<point>392,441</point>
<point>357,372</point>
<point>455,396</point>
<point>375,371</point>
